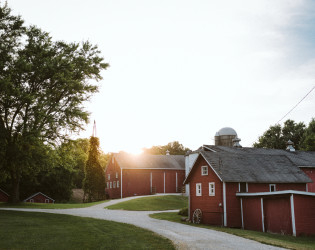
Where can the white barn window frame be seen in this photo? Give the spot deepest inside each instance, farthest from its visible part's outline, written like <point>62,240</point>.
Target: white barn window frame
<point>108,176</point>
<point>204,170</point>
<point>211,189</point>
<point>116,174</point>
<point>117,184</point>
<point>272,188</point>
<point>110,185</point>
<point>198,189</point>
<point>114,184</point>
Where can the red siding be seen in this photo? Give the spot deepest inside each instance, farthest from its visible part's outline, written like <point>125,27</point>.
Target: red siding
<point>277,215</point>
<point>291,186</point>
<point>233,206</point>
<point>311,173</point>
<point>138,181</point>
<point>212,212</point>
<point>3,197</point>
<point>252,214</point>
<point>304,209</point>
<point>258,187</point>
<point>39,198</point>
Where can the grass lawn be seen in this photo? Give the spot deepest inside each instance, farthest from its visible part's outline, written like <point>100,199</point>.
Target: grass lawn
<point>50,205</point>
<point>285,241</point>
<point>153,203</point>
<point>28,230</point>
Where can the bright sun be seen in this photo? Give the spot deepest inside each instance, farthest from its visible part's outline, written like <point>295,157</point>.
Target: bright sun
<point>134,151</point>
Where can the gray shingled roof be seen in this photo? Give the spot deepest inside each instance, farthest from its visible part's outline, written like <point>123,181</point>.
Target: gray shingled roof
<point>258,168</point>
<point>299,158</point>
<point>127,161</point>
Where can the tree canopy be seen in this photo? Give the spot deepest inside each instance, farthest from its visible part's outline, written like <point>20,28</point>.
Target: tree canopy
<point>174,148</point>
<point>277,136</point>
<point>43,87</point>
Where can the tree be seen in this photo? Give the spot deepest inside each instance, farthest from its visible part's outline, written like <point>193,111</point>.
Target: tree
<point>43,86</point>
<point>277,136</point>
<point>174,148</point>
<point>94,181</point>
<point>308,141</point>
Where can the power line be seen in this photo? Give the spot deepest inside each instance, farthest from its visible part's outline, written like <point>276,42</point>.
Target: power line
<point>296,105</point>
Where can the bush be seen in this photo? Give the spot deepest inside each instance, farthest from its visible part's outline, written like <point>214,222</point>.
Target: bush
<point>183,211</point>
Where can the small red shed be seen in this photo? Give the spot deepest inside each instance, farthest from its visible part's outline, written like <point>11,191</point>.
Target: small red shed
<point>221,175</point>
<point>39,198</point>
<point>129,175</point>
<point>4,197</point>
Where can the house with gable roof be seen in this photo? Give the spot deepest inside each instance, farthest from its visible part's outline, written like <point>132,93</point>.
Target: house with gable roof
<point>266,190</point>
<point>129,175</point>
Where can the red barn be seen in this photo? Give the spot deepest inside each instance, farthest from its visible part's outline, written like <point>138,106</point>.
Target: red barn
<point>129,175</point>
<point>39,198</point>
<point>246,187</point>
<point>4,197</point>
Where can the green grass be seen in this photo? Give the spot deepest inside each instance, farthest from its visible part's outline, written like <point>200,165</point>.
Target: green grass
<point>285,241</point>
<point>153,203</point>
<point>50,205</point>
<point>30,230</point>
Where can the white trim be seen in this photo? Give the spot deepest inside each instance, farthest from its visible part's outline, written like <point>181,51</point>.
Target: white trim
<point>272,185</point>
<point>197,189</point>
<point>262,214</point>
<point>292,215</point>
<point>4,192</point>
<point>206,172</point>
<point>211,193</point>
<point>212,167</point>
<point>189,202</point>
<point>239,187</point>
<point>224,205</point>
<point>242,213</point>
<point>276,192</point>
<point>246,186</point>
<point>37,194</point>
<point>164,182</point>
<point>306,189</point>
<point>121,183</point>
<point>176,183</point>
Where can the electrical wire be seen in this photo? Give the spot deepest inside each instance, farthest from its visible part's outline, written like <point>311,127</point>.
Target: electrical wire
<point>296,105</point>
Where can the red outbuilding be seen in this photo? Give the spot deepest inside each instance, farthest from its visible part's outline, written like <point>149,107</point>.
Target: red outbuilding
<point>129,175</point>
<point>257,189</point>
<point>39,198</point>
<point>4,197</point>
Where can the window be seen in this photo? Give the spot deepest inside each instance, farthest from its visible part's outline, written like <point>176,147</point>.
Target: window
<point>198,189</point>
<point>272,187</point>
<point>118,184</point>
<point>32,200</point>
<point>204,170</point>
<point>243,187</point>
<point>114,184</point>
<point>107,184</point>
<point>46,200</point>
<point>108,177</point>
<point>110,185</point>
<point>211,189</point>
<point>116,174</point>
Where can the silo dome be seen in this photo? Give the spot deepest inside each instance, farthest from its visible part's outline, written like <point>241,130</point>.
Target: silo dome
<point>227,131</point>
<point>225,137</point>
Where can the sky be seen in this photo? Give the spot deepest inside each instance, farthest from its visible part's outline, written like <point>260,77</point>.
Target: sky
<point>180,70</point>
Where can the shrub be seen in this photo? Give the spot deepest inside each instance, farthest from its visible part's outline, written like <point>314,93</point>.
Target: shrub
<point>183,211</point>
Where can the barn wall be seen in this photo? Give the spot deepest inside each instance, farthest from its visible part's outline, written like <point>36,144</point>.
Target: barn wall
<point>212,212</point>
<point>277,215</point>
<point>258,187</point>
<point>310,173</point>
<point>233,206</point>
<point>291,186</point>
<point>304,208</point>
<point>112,169</point>
<point>3,197</point>
<point>252,213</point>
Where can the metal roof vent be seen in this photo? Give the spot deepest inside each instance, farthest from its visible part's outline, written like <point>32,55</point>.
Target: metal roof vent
<point>167,152</point>
<point>290,146</point>
<point>236,142</point>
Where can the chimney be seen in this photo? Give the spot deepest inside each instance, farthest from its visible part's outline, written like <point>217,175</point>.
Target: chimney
<point>236,142</point>
<point>290,146</point>
<point>167,152</point>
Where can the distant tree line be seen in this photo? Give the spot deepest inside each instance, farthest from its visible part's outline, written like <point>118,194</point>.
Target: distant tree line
<point>174,148</point>
<point>277,136</point>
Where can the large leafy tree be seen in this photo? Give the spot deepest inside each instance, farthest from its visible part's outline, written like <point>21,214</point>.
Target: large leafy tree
<point>174,148</point>
<point>94,181</point>
<point>43,86</point>
<point>277,136</point>
<point>308,141</point>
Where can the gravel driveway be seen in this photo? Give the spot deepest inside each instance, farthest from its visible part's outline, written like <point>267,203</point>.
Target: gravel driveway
<point>184,236</point>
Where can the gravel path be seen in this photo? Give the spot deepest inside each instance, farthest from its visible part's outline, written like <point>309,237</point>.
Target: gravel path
<point>184,236</point>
